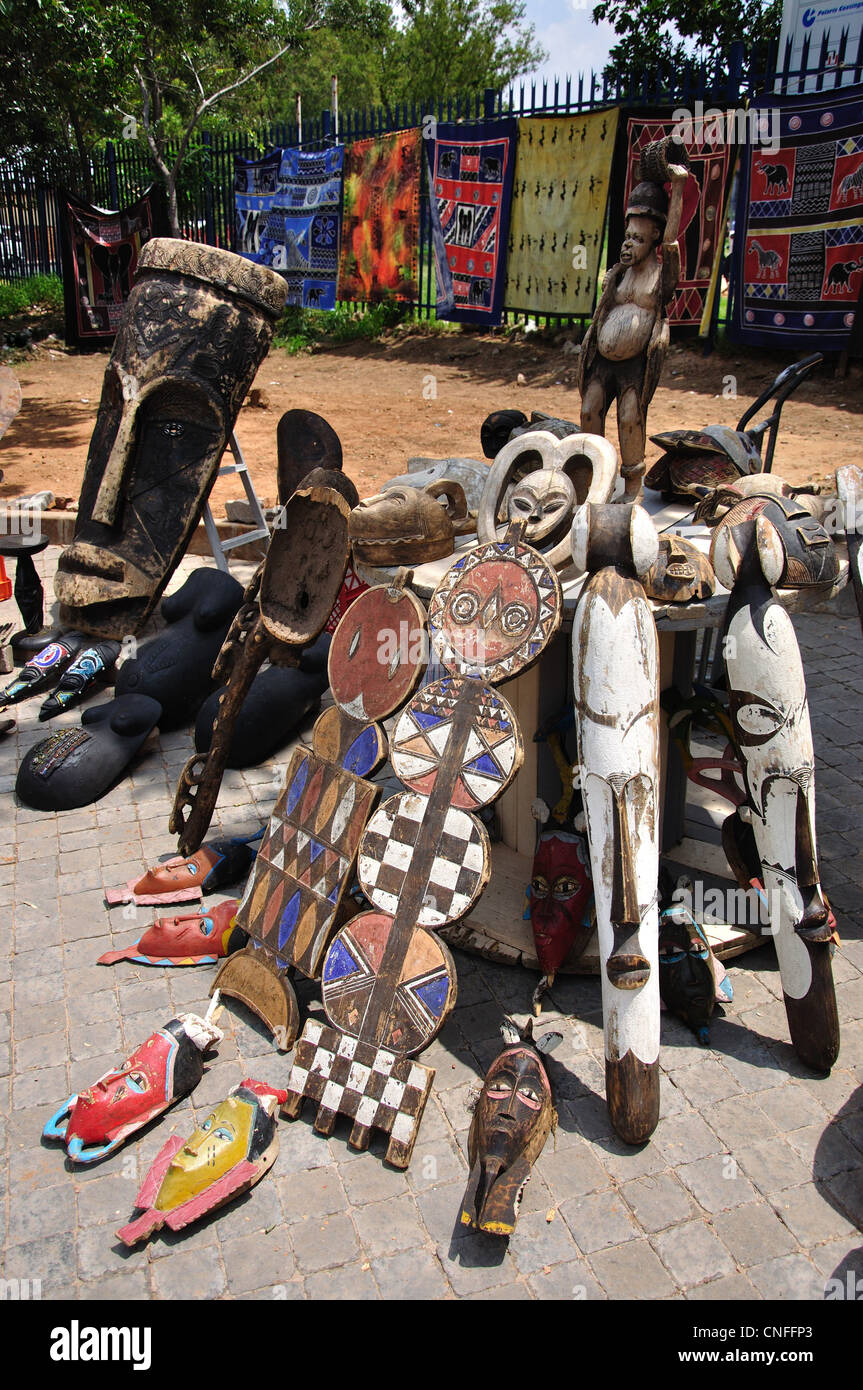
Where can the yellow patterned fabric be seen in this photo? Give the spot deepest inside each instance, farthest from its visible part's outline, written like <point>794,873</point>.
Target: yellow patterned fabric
<point>562,168</point>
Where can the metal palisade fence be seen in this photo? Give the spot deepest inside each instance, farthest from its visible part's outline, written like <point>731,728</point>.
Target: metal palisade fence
<point>118,173</point>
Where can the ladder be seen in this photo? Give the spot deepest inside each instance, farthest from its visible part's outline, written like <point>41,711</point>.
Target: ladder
<point>261,532</point>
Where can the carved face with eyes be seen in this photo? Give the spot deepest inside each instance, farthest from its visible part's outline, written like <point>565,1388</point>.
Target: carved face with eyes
<point>182,361</point>
<point>490,612</point>
<point>141,1085</point>
<point>640,237</point>
<point>514,1097</point>
<point>220,1143</point>
<point>377,653</point>
<point>545,500</point>
<point>560,891</point>
<point>407,525</point>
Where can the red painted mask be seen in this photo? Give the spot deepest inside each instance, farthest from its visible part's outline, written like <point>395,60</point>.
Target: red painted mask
<point>198,938</point>
<point>560,892</point>
<point>163,1069</point>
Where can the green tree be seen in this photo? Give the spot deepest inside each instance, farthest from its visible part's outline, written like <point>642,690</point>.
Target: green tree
<point>444,47</point>
<point>654,35</point>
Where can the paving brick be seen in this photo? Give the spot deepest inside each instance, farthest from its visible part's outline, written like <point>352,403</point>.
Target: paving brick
<point>257,1261</point>
<point>789,1277</point>
<point>387,1227</point>
<point>366,1179</point>
<point>631,1271</point>
<point>323,1243</point>
<point>773,1165</point>
<point>570,1281</point>
<point>190,1275</point>
<point>717,1182</point>
<point>416,1275</point>
<point>658,1201</point>
<point>572,1172</point>
<point>753,1233</point>
<point>693,1253</point>
<point>310,1193</point>
<point>537,1242</point>
<point>599,1220</point>
<point>476,1263</point>
<point>351,1281</point>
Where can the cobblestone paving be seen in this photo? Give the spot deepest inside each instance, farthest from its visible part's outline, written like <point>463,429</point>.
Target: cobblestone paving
<point>752,1186</point>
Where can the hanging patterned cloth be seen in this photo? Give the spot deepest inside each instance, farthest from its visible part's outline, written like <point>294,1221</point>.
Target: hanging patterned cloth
<point>798,249</point>
<point>381,218</point>
<point>711,162</point>
<point>471,175</point>
<point>100,254</point>
<point>562,168</point>
<point>256,182</point>
<point>302,233</point>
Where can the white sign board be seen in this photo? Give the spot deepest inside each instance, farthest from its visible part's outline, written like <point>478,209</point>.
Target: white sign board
<point>802,19</point>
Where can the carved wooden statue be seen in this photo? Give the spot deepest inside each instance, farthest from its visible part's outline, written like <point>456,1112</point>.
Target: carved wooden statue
<point>626,344</point>
<point>196,327</point>
<point>616,687</point>
<point>764,542</point>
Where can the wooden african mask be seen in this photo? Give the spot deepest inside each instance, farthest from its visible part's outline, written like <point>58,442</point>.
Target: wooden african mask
<point>560,892</point>
<point>687,978</point>
<point>680,572</point>
<point>194,938</point>
<point>539,479</point>
<point>795,551</point>
<point>237,1143</point>
<point>616,685</point>
<point>195,329</point>
<point>770,715</point>
<point>512,1120</point>
<point>163,1069</point>
<point>409,525</point>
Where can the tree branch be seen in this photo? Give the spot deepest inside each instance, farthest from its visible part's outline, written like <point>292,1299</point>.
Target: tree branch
<point>225,91</point>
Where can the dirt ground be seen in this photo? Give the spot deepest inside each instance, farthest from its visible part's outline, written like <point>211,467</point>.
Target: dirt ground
<point>428,395</point>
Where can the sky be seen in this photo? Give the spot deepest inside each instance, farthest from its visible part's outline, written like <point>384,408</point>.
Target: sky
<point>565,30</point>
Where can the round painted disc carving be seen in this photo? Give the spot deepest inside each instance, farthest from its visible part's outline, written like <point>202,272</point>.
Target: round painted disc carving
<point>360,750</point>
<point>378,653</point>
<point>494,611</point>
<point>424,992</point>
<point>424,731</point>
<point>459,872</point>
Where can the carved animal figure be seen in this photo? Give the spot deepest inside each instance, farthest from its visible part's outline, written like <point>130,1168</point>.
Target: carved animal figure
<point>769,261</point>
<point>839,275</point>
<point>852,183</point>
<point>775,176</point>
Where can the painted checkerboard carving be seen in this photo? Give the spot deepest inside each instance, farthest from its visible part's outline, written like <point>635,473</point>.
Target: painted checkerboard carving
<point>389,847</point>
<point>370,1085</point>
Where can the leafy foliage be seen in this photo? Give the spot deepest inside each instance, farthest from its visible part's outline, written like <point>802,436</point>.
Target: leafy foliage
<point>35,292</point>
<point>662,35</point>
